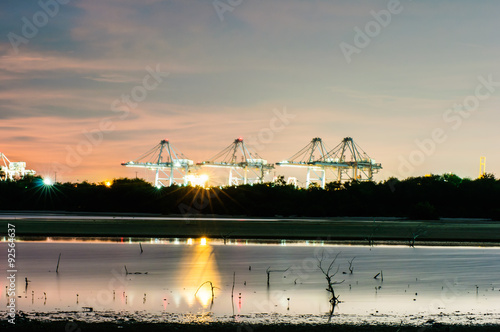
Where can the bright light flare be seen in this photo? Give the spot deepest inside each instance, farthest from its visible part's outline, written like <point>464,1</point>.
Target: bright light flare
<point>107,184</point>
<point>204,295</point>
<point>198,180</point>
<point>203,241</point>
<point>47,182</point>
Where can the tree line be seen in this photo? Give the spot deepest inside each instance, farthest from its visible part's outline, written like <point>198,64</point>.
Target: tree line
<point>426,197</point>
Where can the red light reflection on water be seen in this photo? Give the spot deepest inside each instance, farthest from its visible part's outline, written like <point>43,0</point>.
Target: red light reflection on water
<point>165,303</point>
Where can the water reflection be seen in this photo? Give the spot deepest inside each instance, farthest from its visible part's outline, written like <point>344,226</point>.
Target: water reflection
<point>92,274</point>
<point>201,268</point>
<point>188,241</point>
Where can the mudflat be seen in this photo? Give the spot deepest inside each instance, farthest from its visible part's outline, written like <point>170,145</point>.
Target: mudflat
<point>138,326</point>
<point>360,230</point>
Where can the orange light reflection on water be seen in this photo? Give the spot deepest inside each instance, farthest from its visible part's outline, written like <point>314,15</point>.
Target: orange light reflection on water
<point>202,270</point>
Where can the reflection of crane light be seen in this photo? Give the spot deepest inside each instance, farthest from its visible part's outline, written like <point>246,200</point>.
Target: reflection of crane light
<point>204,295</point>
<point>202,272</point>
<point>189,241</point>
<point>203,241</point>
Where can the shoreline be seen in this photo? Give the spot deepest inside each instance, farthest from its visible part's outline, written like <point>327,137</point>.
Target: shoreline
<point>362,231</point>
<point>125,321</point>
<point>257,241</point>
<point>231,327</point>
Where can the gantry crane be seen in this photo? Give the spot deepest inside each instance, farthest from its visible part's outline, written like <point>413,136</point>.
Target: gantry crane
<point>170,166</point>
<point>347,161</point>
<point>307,157</point>
<point>245,166</point>
<point>351,162</point>
<point>13,170</point>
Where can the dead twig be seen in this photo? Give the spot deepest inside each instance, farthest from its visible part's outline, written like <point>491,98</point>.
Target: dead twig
<point>58,260</point>
<point>351,268</point>
<point>415,234</point>
<point>127,273</point>
<point>211,288</point>
<point>381,274</point>
<point>268,271</point>
<point>334,300</point>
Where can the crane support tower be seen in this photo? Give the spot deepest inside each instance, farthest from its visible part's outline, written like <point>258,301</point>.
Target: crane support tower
<point>245,166</point>
<point>13,170</point>
<point>482,166</point>
<point>170,166</point>
<point>307,157</point>
<point>347,162</point>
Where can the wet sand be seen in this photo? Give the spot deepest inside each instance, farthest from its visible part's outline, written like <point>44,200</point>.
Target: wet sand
<point>78,326</point>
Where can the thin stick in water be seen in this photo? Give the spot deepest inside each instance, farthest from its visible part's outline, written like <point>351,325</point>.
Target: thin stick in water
<point>58,260</point>
<point>234,278</point>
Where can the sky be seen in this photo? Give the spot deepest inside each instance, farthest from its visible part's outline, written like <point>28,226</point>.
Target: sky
<point>87,85</point>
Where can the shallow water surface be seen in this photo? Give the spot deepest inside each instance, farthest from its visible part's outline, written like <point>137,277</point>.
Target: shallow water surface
<point>175,276</point>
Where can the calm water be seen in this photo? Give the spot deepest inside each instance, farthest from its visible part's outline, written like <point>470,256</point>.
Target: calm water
<point>416,281</point>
